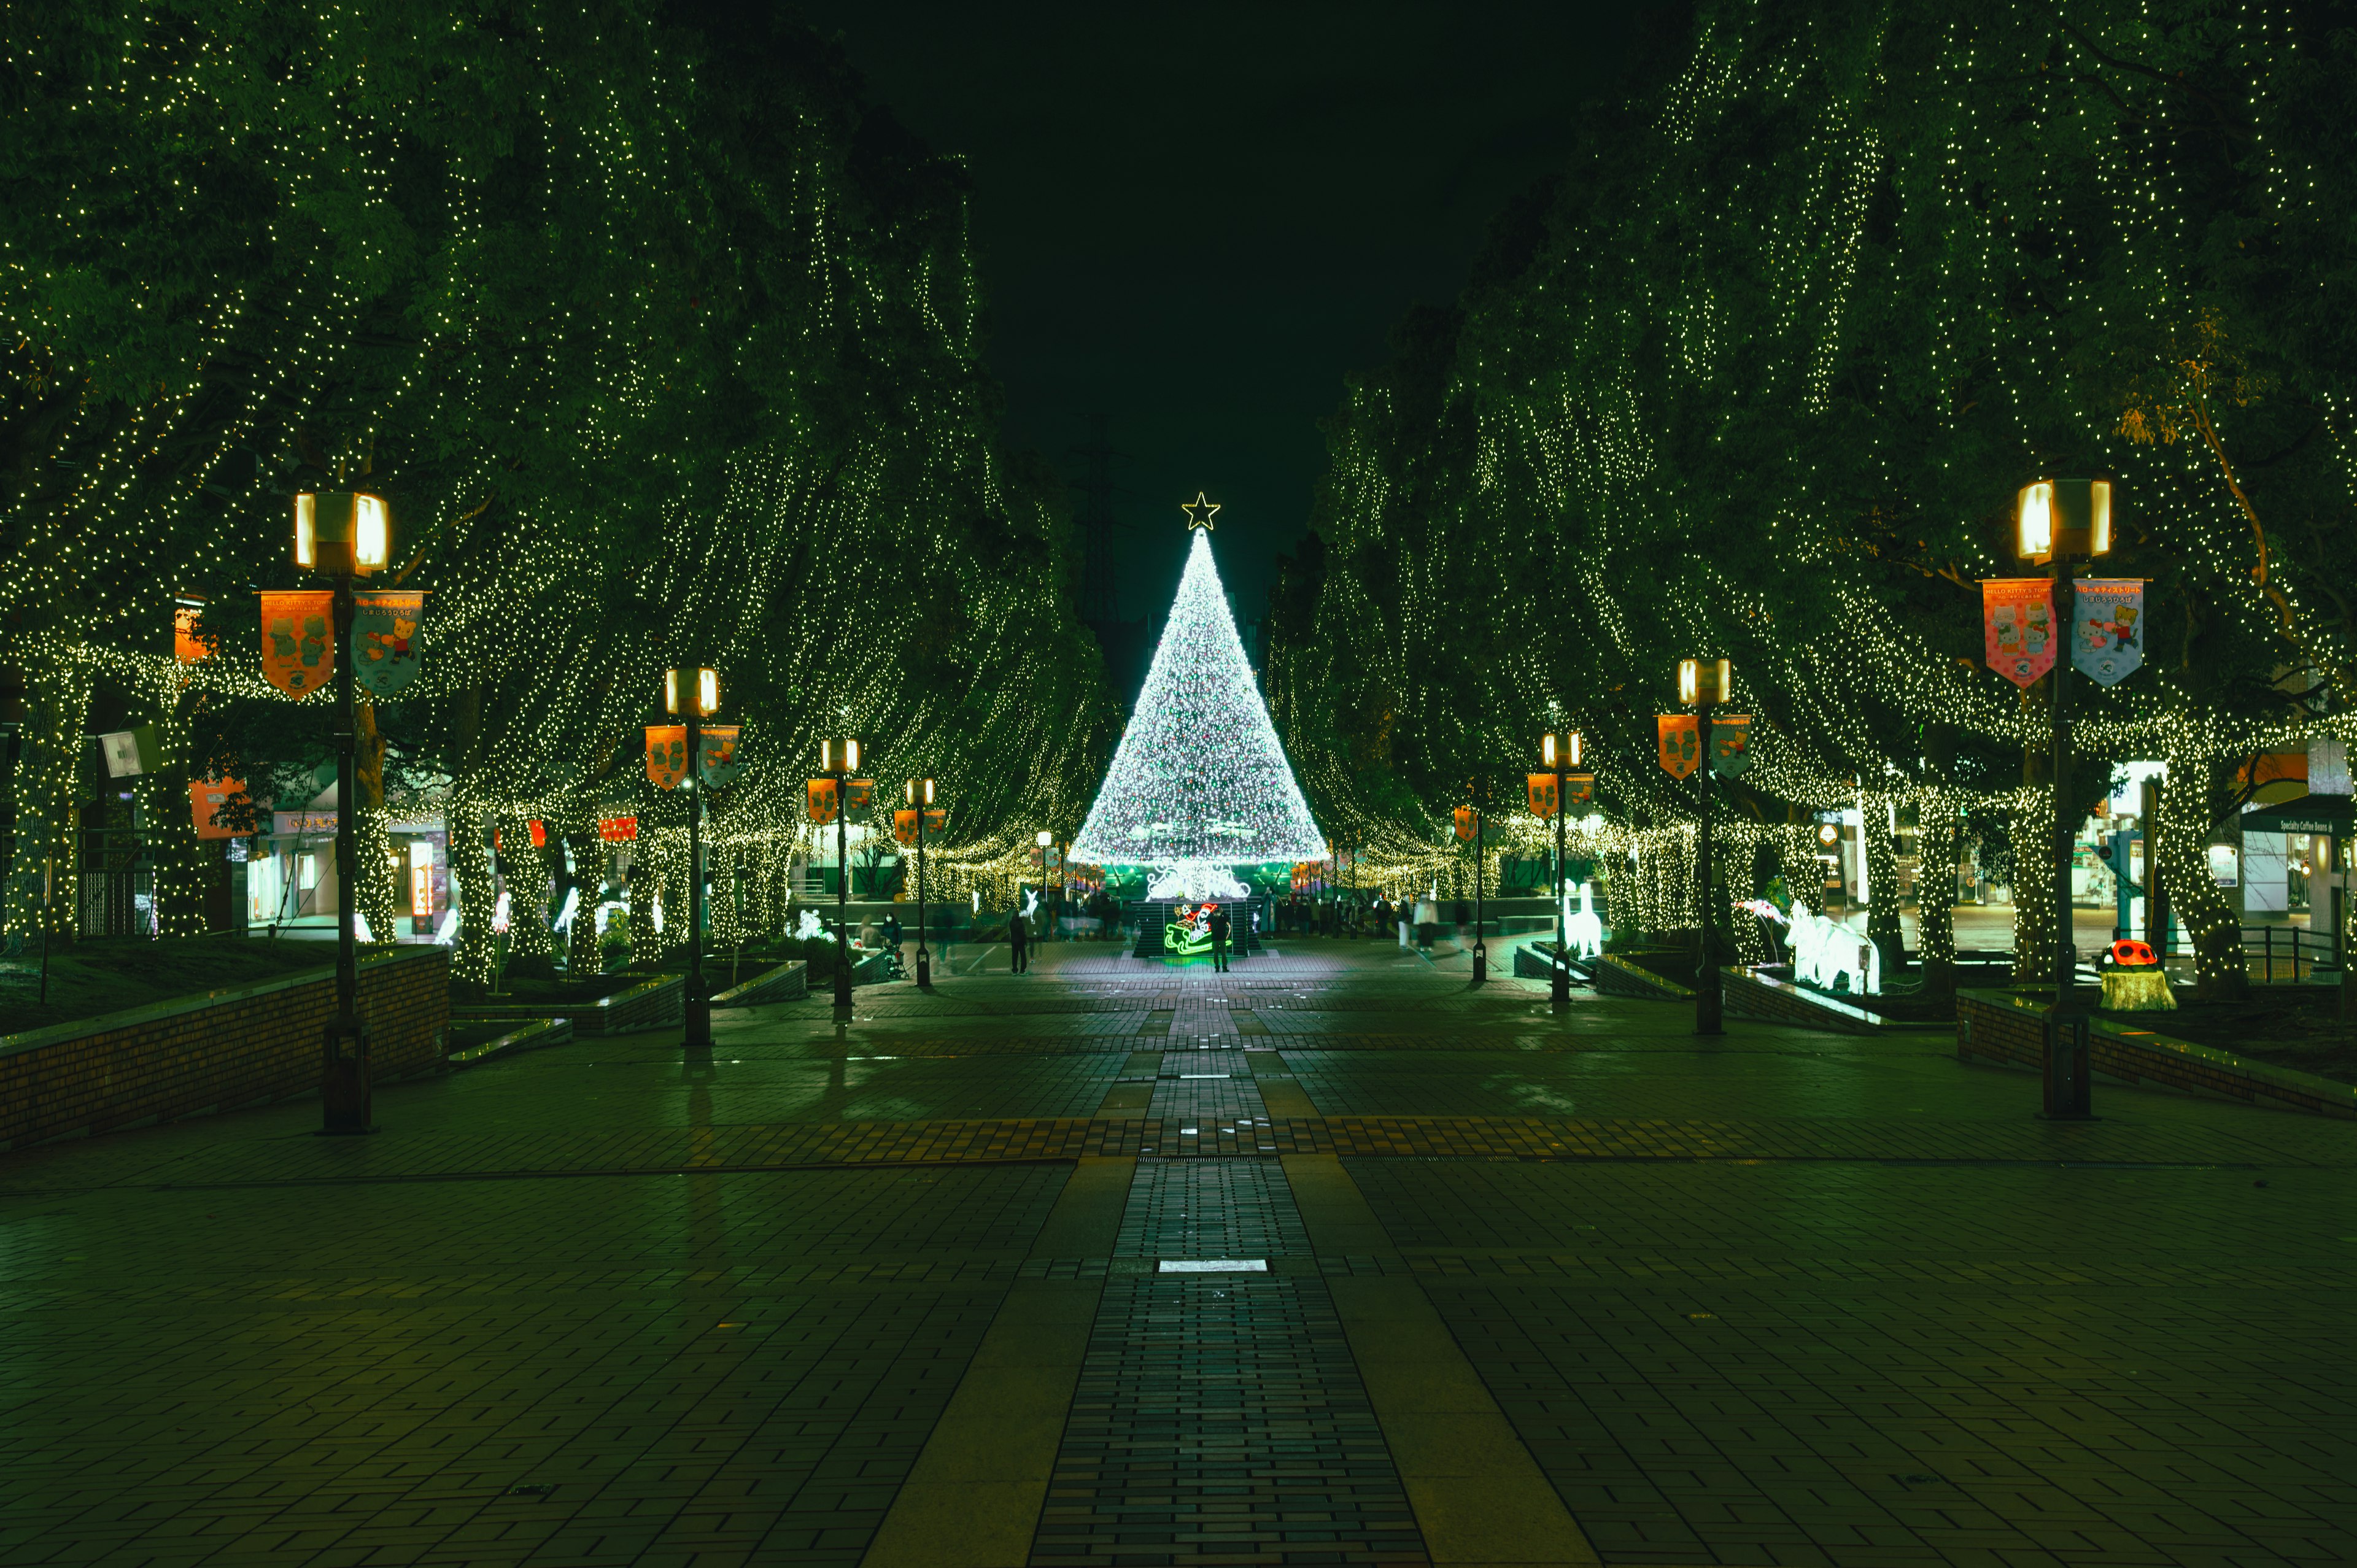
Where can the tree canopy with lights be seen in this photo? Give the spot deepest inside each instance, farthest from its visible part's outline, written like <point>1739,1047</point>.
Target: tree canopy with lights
<point>660,340</point>
<point>1759,374</point>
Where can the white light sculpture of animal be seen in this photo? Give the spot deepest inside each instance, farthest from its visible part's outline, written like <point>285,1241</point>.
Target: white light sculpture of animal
<point>1583,932</point>
<point>809,929</point>
<point>1833,956</point>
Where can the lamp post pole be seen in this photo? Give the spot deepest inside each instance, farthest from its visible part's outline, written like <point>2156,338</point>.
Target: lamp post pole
<point>1702,685</point>
<point>837,761</point>
<point>347,1105</point>
<point>699,1004</point>
<point>1481,948</point>
<point>1708,1019</point>
<point>842,892</point>
<point>920,795</point>
<point>1042,840</point>
<point>345,534</point>
<point>1561,754</point>
<point>2061,522</point>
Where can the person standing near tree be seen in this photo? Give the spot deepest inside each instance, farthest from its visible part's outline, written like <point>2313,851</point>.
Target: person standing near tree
<point>1018,939</point>
<point>1219,923</point>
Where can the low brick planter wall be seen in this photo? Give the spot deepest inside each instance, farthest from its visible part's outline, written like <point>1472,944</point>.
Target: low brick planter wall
<point>1616,976</point>
<point>790,982</point>
<point>650,1004</point>
<point>2004,1027</point>
<point>219,1050</point>
<point>537,1034</point>
<point>1755,992</point>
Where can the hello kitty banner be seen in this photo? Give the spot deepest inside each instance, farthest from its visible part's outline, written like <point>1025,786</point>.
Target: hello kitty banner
<point>2107,627</point>
<point>2018,617</point>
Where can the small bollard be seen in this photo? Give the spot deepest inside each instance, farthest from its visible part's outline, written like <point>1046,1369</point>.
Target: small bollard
<point>2069,1068</point>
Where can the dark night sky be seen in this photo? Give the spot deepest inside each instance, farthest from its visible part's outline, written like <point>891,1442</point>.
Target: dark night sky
<point>1200,219</point>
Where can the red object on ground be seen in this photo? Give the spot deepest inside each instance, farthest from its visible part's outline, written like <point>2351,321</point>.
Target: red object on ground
<point>2133,955</point>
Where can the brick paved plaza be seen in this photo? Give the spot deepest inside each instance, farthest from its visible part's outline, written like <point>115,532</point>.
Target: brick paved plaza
<point>895,1289</point>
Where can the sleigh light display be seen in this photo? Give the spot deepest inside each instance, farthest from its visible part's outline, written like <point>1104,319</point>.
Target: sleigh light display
<point>1189,930</point>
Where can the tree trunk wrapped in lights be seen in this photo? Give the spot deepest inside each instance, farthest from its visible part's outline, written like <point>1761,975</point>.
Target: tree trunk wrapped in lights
<point>646,943</point>
<point>2213,929</point>
<point>476,892</point>
<point>525,876</point>
<point>56,710</point>
<point>582,954</point>
<point>1939,839</point>
<point>2030,831</point>
<point>379,894</point>
<point>1883,896</point>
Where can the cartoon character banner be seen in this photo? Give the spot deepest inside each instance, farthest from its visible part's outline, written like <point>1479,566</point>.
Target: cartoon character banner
<point>721,761</point>
<point>2107,627</point>
<point>384,638</point>
<point>666,755</point>
<point>904,822</point>
<point>1730,744</point>
<point>1466,818</point>
<point>1578,790</point>
<point>1681,738</point>
<point>1542,795</point>
<point>2018,619</point>
<point>858,797</point>
<point>819,802</point>
<point>298,653</point>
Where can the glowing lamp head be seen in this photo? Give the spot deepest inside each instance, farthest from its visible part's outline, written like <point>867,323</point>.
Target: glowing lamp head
<point>918,791</point>
<point>1705,680</point>
<point>700,685</point>
<point>342,531</point>
<point>838,756</point>
<point>1044,838</point>
<point>2063,517</point>
<point>1560,750</point>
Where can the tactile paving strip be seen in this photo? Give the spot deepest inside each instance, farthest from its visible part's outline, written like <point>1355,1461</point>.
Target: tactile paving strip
<point>1220,1418</point>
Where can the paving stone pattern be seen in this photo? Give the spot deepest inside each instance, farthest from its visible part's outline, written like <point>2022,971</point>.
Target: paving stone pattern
<point>1779,1298</point>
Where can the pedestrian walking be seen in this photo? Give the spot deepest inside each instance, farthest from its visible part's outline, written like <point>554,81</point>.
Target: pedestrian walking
<point>1018,937</point>
<point>1219,939</point>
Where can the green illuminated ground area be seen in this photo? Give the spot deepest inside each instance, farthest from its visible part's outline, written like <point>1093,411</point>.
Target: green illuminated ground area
<point>1530,1289</point>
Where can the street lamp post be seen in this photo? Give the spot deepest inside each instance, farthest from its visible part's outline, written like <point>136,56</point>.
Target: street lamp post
<point>1043,838</point>
<point>838,760</point>
<point>1560,754</point>
<point>344,535</point>
<point>2059,525</point>
<point>1481,948</point>
<point>694,694</point>
<point>1703,685</point>
<point>919,792</point>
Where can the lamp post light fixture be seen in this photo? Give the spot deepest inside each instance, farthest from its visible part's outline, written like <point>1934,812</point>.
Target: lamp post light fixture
<point>1559,753</point>
<point>694,694</point>
<point>1702,685</point>
<point>838,760</point>
<point>920,794</point>
<point>344,534</point>
<point>2060,524</point>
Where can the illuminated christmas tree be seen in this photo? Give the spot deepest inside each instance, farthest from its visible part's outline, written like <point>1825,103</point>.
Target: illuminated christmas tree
<point>1200,782</point>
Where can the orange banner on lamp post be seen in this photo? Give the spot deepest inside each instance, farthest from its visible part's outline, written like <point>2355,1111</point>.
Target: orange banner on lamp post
<point>2018,627</point>
<point>298,650</point>
<point>1681,742</point>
